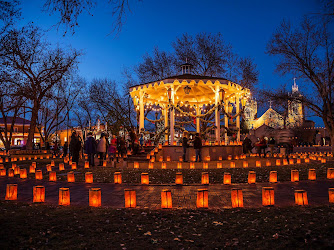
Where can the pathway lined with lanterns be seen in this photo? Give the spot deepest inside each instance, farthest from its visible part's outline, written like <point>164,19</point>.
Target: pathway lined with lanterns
<point>182,196</point>
<point>149,196</point>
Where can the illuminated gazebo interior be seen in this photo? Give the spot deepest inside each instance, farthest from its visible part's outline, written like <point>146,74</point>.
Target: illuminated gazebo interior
<point>187,94</point>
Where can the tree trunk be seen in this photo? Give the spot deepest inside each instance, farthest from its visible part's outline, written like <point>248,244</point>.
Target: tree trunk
<point>330,128</point>
<point>34,116</point>
<point>7,145</point>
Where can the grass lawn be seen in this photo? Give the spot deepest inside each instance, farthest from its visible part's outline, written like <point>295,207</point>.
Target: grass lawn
<point>40,226</point>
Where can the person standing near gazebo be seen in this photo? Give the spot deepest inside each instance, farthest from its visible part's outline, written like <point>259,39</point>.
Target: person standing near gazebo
<point>198,147</point>
<point>185,145</point>
<point>90,148</point>
<point>75,147</point>
<point>102,148</point>
<point>65,149</point>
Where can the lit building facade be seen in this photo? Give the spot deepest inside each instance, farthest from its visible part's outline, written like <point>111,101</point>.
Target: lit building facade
<point>271,118</point>
<point>20,131</point>
<point>64,135</point>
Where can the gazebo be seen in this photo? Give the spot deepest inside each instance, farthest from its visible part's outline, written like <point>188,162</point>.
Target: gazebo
<point>221,96</point>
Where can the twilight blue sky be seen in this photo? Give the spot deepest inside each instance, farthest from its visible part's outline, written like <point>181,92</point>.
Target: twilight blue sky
<point>247,25</point>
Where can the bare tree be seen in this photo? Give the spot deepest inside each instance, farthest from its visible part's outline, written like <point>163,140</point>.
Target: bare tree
<point>9,13</point>
<point>70,10</point>
<point>10,109</point>
<point>9,114</point>
<point>308,52</point>
<point>209,55</point>
<point>158,66</point>
<point>232,66</point>
<point>111,103</point>
<point>249,75</point>
<point>207,52</point>
<point>84,112</point>
<point>33,67</point>
<point>129,81</point>
<point>328,8</point>
<point>54,110</point>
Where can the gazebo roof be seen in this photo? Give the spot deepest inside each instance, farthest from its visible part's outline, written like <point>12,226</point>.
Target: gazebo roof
<point>202,89</point>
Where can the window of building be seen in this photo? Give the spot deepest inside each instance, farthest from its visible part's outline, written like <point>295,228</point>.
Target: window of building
<point>18,141</point>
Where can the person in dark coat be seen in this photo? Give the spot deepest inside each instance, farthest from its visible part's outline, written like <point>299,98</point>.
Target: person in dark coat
<point>185,145</point>
<point>271,144</point>
<point>55,149</point>
<point>121,147</point>
<point>65,149</point>
<point>247,145</point>
<point>133,138</point>
<point>90,148</point>
<point>75,147</point>
<point>261,147</point>
<point>198,147</point>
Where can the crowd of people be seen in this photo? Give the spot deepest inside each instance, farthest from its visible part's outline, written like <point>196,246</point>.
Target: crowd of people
<point>103,146</point>
<point>264,146</point>
<point>110,146</point>
<point>197,144</point>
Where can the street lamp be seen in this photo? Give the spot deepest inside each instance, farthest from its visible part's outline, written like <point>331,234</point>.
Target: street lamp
<point>230,108</point>
<point>135,99</point>
<point>187,90</point>
<point>243,101</point>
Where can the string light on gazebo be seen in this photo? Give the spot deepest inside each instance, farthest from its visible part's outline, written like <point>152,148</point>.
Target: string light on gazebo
<point>230,108</point>
<point>194,97</point>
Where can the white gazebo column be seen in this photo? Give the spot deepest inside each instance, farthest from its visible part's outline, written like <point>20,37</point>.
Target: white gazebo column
<point>238,117</point>
<point>198,110</point>
<point>172,119</point>
<point>172,122</point>
<point>217,115</point>
<point>226,119</point>
<point>166,121</point>
<point>141,111</point>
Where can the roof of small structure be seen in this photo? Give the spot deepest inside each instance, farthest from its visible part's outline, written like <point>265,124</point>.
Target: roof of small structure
<point>202,89</point>
<point>271,110</point>
<point>183,77</point>
<point>18,121</point>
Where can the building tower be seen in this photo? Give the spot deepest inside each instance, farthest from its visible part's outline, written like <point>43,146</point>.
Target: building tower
<point>250,113</point>
<point>295,108</point>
